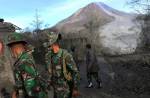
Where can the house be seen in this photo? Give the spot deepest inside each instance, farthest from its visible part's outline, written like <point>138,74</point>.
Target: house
<point>6,73</point>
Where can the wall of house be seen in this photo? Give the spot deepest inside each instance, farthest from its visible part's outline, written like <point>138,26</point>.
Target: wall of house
<point>6,73</point>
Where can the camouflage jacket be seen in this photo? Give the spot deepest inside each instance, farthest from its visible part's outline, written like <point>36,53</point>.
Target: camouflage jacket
<point>24,64</point>
<point>26,75</point>
<point>62,66</point>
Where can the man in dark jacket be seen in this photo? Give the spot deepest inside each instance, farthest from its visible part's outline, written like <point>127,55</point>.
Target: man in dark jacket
<point>92,67</point>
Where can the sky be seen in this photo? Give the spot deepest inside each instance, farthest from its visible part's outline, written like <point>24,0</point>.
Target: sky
<point>22,12</point>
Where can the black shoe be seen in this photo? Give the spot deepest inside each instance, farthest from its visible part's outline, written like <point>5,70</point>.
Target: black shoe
<point>99,85</point>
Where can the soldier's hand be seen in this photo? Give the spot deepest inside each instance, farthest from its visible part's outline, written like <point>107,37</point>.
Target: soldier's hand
<point>75,93</point>
<point>37,89</point>
<point>14,94</point>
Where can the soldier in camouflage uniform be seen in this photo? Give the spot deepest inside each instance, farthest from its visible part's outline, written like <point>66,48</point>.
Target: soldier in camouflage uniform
<point>62,69</point>
<point>25,73</point>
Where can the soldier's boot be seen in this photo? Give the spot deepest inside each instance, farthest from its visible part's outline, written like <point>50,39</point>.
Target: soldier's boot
<point>90,85</point>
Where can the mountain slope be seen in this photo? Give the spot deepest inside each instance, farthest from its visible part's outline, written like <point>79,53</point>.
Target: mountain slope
<point>114,31</point>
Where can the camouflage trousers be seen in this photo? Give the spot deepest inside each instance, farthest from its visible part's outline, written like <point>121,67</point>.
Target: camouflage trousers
<point>41,94</point>
<point>61,91</point>
<point>61,94</point>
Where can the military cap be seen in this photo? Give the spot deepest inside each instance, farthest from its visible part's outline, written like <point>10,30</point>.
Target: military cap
<point>52,37</point>
<point>15,38</point>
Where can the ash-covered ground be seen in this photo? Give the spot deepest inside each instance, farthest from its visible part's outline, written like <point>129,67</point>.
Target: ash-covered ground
<point>125,76</point>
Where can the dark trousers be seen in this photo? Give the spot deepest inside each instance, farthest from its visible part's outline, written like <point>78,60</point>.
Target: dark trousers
<point>94,75</point>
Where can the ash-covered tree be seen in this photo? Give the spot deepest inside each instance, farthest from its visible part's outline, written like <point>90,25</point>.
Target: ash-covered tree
<point>92,26</point>
<point>143,9</point>
<point>37,22</point>
<point>37,25</point>
<point>35,36</point>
